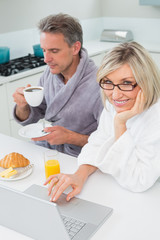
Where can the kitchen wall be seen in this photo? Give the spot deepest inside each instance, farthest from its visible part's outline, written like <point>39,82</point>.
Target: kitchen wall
<point>144,21</point>
<point>19,18</point>
<point>21,14</point>
<point>128,9</point>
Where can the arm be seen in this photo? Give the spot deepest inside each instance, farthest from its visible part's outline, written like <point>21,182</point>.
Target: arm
<point>133,159</point>
<point>22,113</point>
<point>60,135</point>
<point>62,181</point>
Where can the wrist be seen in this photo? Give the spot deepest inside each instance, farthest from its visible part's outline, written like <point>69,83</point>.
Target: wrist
<point>119,121</point>
<point>76,138</point>
<point>85,170</point>
<point>22,112</point>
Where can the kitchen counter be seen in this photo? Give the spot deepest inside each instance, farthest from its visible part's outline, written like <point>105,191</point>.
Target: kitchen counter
<point>24,74</point>
<point>94,47</point>
<point>135,215</point>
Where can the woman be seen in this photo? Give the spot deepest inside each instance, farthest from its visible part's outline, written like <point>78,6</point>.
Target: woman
<point>126,144</point>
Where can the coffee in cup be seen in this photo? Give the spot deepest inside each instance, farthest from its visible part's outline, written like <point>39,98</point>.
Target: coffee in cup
<point>33,95</point>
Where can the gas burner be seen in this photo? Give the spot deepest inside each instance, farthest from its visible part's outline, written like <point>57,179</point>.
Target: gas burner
<point>21,64</point>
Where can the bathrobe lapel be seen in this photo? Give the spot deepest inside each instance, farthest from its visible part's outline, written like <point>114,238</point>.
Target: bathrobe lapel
<point>67,90</point>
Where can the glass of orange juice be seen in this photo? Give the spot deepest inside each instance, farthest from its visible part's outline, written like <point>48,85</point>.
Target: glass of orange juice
<point>51,163</point>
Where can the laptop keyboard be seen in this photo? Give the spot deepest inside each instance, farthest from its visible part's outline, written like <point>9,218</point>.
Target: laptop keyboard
<point>72,225</point>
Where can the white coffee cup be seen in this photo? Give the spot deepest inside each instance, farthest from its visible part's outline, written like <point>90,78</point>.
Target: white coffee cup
<point>33,95</point>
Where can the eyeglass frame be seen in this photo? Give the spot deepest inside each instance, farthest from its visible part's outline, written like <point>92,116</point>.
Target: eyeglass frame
<point>118,85</point>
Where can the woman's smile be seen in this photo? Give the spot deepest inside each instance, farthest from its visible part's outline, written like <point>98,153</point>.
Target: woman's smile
<point>122,100</point>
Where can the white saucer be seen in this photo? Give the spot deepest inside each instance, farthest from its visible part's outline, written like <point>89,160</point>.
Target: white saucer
<point>19,177</point>
<point>33,130</point>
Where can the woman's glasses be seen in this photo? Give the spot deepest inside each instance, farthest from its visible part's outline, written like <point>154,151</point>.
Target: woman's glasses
<point>110,86</point>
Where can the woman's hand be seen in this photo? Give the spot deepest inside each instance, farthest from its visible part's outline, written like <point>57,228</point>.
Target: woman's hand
<point>138,107</point>
<point>122,117</point>
<point>63,181</point>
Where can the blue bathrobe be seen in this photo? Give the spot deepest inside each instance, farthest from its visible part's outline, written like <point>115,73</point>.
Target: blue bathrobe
<point>76,105</point>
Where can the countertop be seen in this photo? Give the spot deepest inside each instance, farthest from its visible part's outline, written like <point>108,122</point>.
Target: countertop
<point>135,215</point>
<point>94,47</point>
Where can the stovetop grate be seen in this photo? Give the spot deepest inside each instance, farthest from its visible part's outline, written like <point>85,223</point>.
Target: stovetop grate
<point>21,64</point>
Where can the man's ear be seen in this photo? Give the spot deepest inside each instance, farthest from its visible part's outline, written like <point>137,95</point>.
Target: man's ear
<point>76,47</point>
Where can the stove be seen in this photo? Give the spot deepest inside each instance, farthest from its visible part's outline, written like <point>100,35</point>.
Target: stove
<point>21,64</point>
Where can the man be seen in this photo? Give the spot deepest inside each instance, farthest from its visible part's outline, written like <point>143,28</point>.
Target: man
<point>72,100</point>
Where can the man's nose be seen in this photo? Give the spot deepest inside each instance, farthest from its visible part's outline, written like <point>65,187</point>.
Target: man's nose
<point>47,57</point>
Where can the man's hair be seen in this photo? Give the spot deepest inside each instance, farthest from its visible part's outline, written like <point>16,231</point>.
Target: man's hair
<point>65,24</point>
<point>145,71</point>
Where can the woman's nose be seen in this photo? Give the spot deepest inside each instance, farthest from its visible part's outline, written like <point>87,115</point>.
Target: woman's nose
<point>116,93</point>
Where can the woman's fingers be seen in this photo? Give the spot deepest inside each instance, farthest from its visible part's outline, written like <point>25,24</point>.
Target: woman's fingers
<point>59,188</point>
<point>49,179</point>
<point>52,184</point>
<point>58,183</point>
<point>139,103</point>
<point>73,193</point>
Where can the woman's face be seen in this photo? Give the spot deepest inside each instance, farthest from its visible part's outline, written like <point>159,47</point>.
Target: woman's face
<point>121,100</point>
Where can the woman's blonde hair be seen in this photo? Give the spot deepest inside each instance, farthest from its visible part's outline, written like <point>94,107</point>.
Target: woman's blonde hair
<point>145,71</point>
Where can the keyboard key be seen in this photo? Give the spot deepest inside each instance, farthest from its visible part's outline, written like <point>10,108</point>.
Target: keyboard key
<point>72,225</point>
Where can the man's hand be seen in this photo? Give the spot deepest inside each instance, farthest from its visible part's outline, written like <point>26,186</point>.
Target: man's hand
<point>22,107</point>
<point>19,98</point>
<point>60,135</point>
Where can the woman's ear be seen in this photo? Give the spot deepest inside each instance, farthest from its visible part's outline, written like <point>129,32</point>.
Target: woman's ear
<point>76,47</point>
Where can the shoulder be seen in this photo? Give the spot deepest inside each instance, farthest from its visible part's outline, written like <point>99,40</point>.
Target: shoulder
<point>88,62</point>
<point>153,111</point>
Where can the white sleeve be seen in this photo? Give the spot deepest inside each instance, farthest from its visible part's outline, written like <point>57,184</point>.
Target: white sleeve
<point>135,166</point>
<point>97,139</point>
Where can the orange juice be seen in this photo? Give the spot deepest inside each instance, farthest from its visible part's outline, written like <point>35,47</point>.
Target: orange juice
<point>52,167</point>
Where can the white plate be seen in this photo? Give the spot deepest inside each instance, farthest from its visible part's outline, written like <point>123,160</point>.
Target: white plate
<point>33,130</point>
<point>21,176</point>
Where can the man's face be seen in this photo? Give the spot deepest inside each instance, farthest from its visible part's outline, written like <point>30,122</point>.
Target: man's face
<point>57,53</point>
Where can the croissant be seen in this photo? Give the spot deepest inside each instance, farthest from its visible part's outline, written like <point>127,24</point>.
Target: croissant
<point>14,160</point>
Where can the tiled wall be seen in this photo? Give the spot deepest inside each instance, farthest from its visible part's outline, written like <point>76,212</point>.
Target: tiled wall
<point>144,30</point>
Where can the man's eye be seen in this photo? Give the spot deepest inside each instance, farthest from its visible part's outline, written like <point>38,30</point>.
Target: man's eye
<point>55,51</point>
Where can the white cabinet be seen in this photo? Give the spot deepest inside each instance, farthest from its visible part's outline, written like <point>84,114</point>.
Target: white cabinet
<point>150,2</point>
<point>4,112</point>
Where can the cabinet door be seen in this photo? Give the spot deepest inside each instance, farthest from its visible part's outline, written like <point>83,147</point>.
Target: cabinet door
<point>12,86</point>
<point>150,2</point>
<point>156,58</point>
<point>4,113</point>
<point>14,128</point>
<point>98,58</point>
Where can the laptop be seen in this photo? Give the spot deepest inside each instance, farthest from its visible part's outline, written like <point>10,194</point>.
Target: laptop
<point>32,214</point>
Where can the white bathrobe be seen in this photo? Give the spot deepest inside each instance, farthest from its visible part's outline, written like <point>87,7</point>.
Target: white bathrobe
<point>134,159</point>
